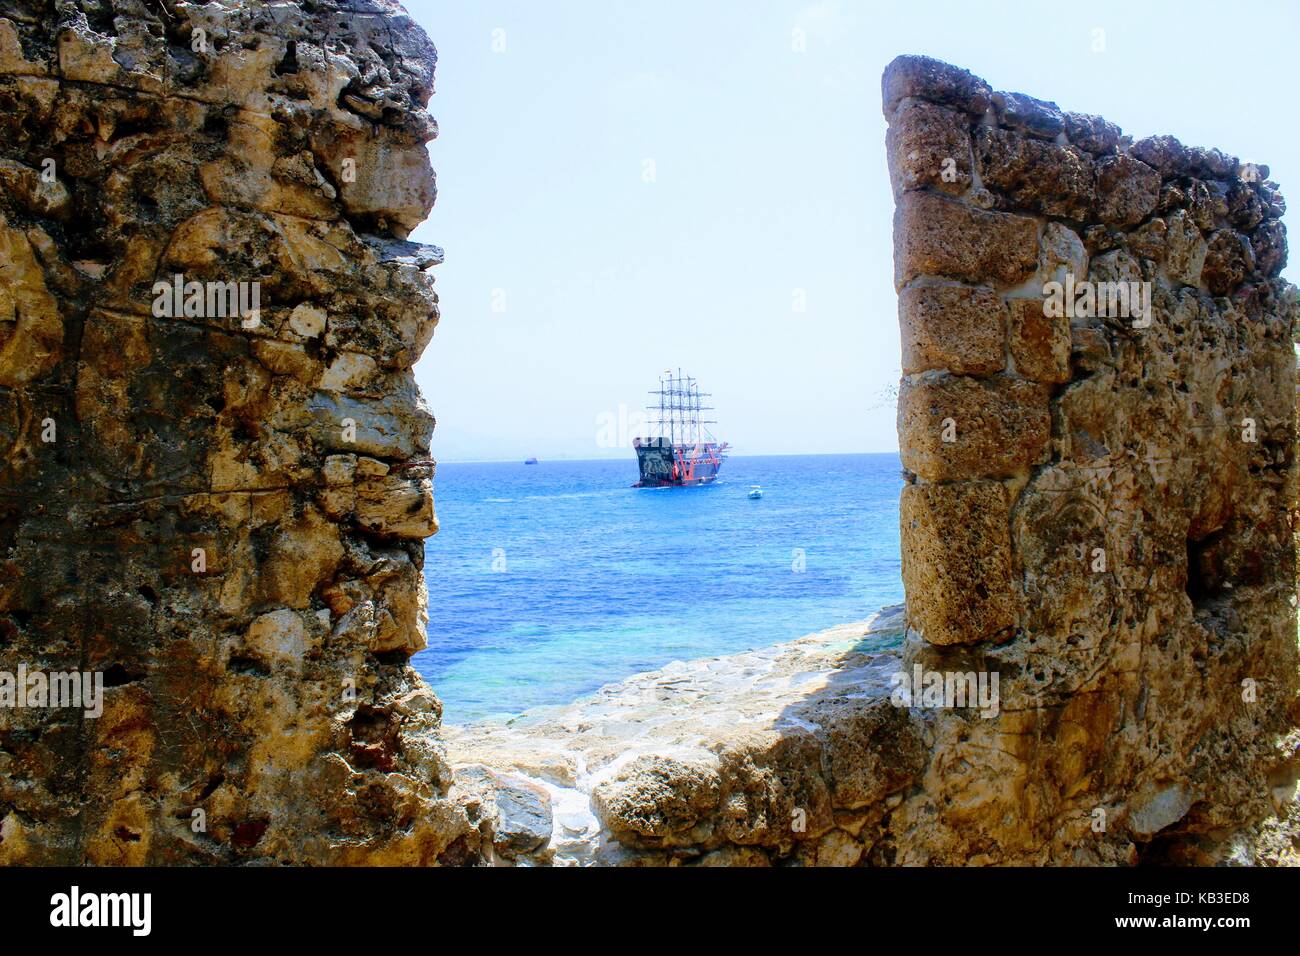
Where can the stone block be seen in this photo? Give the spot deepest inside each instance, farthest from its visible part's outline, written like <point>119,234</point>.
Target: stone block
<point>958,328</point>
<point>1033,174</point>
<point>953,427</point>
<point>1029,114</point>
<point>393,506</point>
<point>1228,260</point>
<point>1040,344</point>
<point>929,145</point>
<point>1092,133</point>
<point>1127,190</point>
<point>934,235</point>
<point>936,81</point>
<point>957,561</point>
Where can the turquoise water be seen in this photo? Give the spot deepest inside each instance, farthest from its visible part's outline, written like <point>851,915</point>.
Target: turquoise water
<point>547,581</point>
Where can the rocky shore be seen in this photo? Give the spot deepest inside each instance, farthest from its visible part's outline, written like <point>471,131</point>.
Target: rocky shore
<point>602,780</point>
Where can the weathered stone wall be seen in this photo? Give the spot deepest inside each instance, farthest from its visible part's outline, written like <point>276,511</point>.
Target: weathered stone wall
<point>220,513</point>
<point>1098,507</point>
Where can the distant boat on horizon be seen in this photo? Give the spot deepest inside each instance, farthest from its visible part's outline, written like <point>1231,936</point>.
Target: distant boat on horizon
<point>755,492</point>
<point>530,461</point>
<point>682,452</point>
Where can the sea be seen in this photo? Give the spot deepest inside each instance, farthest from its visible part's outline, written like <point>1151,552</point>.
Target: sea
<point>548,581</point>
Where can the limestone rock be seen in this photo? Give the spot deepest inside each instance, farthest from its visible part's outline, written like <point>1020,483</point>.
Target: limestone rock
<point>957,561</point>
<point>1037,175</point>
<point>954,327</point>
<point>929,145</point>
<point>1112,538</point>
<point>936,81</point>
<point>252,591</point>
<point>936,236</point>
<point>1127,190</point>
<point>953,427</point>
<point>1040,344</point>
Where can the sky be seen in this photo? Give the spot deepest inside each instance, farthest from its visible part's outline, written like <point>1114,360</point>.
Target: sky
<point>626,187</point>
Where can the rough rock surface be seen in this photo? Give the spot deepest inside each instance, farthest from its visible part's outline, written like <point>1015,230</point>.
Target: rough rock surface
<point>790,753</point>
<point>220,512</point>
<point>1104,516</point>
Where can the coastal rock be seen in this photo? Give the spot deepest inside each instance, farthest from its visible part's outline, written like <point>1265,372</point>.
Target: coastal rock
<point>665,799</point>
<point>512,812</point>
<point>225,549</point>
<point>1125,563</point>
<point>748,759</point>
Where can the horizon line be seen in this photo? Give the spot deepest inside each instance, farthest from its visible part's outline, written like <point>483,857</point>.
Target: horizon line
<point>506,461</point>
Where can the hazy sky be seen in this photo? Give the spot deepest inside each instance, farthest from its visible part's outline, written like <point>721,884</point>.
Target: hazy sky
<point>628,186</point>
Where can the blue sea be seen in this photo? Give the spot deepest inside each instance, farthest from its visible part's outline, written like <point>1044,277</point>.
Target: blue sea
<point>547,581</point>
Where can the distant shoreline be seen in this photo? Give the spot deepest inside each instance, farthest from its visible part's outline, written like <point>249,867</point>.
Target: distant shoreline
<point>541,460</point>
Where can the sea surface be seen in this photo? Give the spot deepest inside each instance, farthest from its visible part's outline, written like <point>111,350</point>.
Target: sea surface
<point>547,581</point>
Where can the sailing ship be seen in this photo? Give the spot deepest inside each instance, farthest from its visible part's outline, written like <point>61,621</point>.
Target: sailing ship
<point>680,451</point>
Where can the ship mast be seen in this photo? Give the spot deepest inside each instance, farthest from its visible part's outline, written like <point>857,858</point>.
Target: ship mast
<point>680,405</point>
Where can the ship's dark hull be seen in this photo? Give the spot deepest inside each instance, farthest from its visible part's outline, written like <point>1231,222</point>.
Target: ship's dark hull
<point>664,465</point>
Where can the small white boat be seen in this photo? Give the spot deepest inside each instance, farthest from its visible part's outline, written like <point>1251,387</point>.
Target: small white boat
<point>755,491</point>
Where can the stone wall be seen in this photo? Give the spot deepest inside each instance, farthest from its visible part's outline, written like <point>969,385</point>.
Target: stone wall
<point>220,513</point>
<point>1098,506</point>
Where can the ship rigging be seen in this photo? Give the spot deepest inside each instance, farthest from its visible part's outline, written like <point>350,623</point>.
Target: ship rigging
<point>680,451</point>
